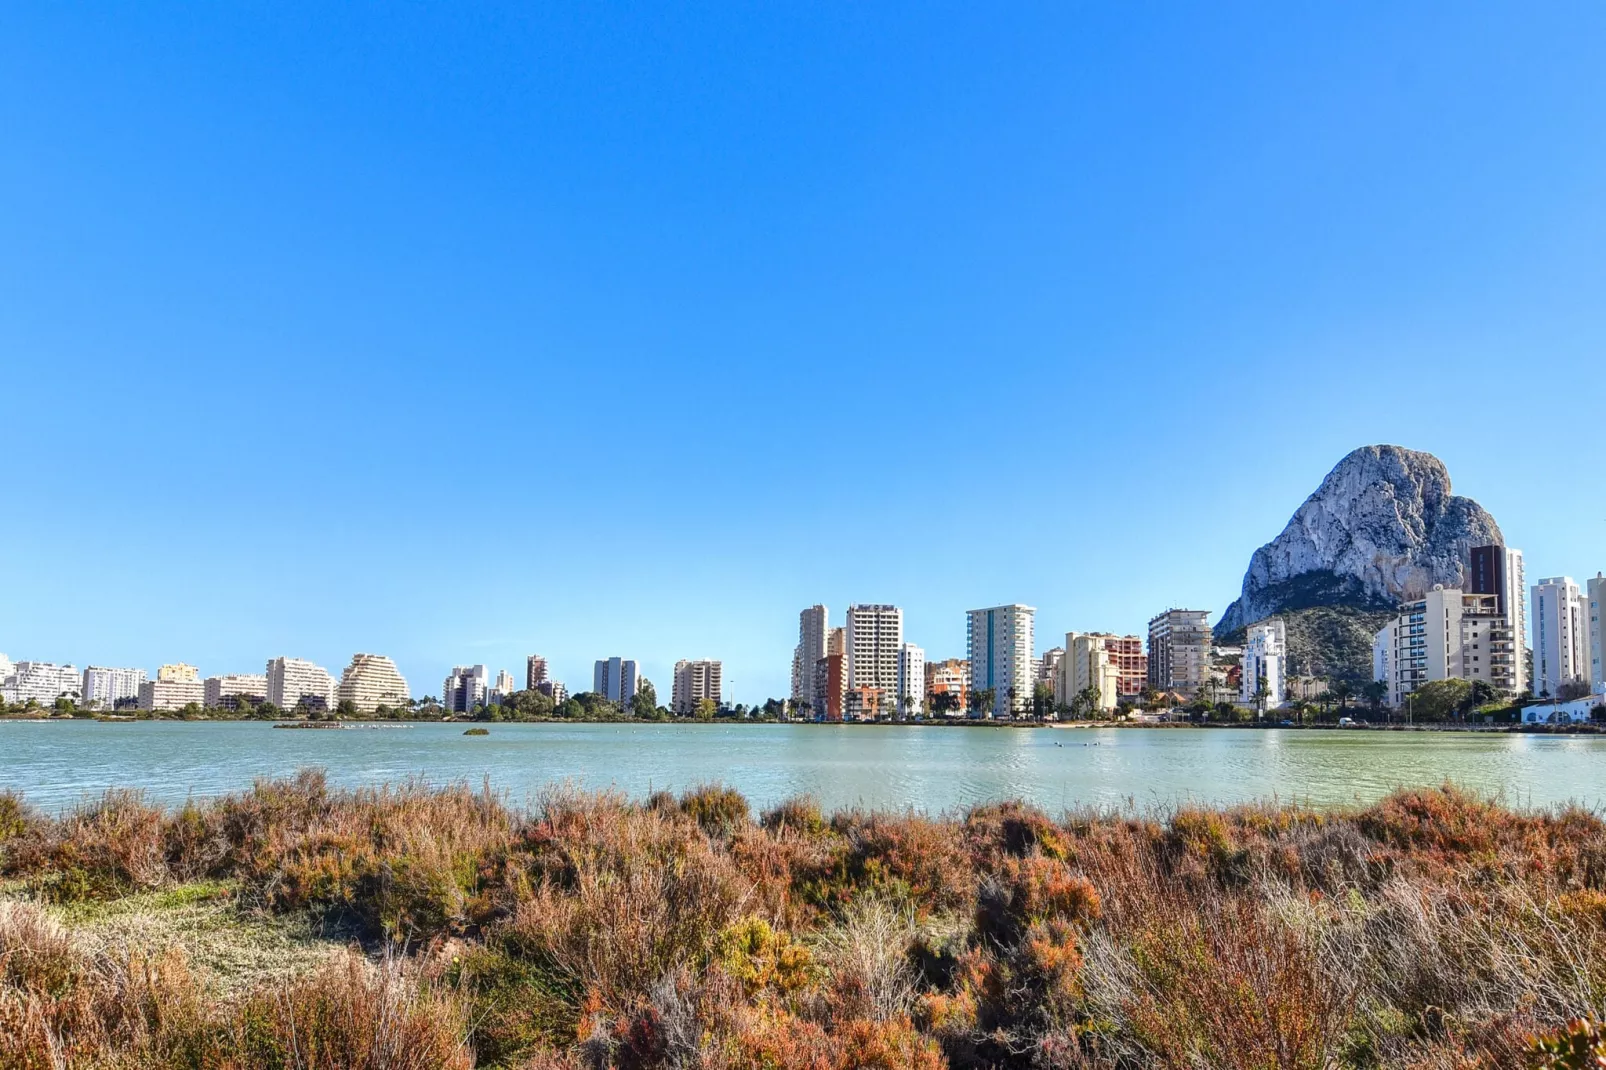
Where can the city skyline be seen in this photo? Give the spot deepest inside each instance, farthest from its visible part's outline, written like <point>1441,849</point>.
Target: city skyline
<point>1219,248</point>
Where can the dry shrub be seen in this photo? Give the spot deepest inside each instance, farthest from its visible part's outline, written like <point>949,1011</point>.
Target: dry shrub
<point>1222,983</point>
<point>783,1042</point>
<point>64,1005</point>
<point>869,961</point>
<point>354,1015</point>
<point>1012,828</point>
<point>629,895</point>
<point>15,818</point>
<point>718,810</point>
<point>917,860</point>
<point>800,815</point>
<point>102,849</point>
<point>408,863</point>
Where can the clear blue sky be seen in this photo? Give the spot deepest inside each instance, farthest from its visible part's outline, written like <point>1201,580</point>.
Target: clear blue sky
<point>457,332</point>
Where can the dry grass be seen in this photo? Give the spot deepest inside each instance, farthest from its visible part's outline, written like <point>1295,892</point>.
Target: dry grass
<point>1434,929</point>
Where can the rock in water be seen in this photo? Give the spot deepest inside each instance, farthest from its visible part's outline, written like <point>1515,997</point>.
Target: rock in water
<point>1383,526</point>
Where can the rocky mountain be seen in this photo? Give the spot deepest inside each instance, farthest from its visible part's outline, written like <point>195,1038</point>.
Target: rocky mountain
<point>1383,526</point>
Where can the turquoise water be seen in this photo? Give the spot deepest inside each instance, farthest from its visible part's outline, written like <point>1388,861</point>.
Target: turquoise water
<point>930,769</point>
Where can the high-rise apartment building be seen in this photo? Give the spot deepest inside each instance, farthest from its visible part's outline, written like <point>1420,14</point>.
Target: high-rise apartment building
<point>535,672</point>
<point>911,690</point>
<point>813,630</point>
<point>1048,666</point>
<point>874,638</point>
<point>503,688</point>
<point>948,687</point>
<point>1447,633</point>
<point>1597,633</point>
<point>225,692</point>
<point>695,681</point>
<point>42,681</point>
<point>103,688</point>
<point>1561,635</point>
<point>999,643</point>
<point>1179,650</point>
<point>466,689</point>
<point>616,679</point>
<point>173,689</point>
<point>295,683</point>
<point>553,690</point>
<point>829,682</point>
<point>371,681</point>
<point>1090,668</point>
<point>1265,664</point>
<point>1498,570</point>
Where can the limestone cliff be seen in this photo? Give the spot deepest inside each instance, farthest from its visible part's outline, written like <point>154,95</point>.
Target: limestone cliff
<point>1383,526</point>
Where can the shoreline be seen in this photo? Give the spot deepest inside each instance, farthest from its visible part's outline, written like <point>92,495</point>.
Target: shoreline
<point>929,723</point>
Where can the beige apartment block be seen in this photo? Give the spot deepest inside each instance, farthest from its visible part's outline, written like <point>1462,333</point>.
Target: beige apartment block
<point>179,673</point>
<point>693,682</point>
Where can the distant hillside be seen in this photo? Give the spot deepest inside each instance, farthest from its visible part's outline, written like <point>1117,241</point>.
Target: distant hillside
<point>1330,641</point>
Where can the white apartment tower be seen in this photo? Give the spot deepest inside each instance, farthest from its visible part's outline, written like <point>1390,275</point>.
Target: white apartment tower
<point>695,681</point>
<point>1561,634</point>
<point>296,682</point>
<point>999,644</point>
<point>911,679</point>
<point>1265,655</point>
<point>466,688</point>
<point>503,688</point>
<point>1597,633</point>
<point>616,679</point>
<point>104,688</point>
<point>874,639</point>
<point>813,629</point>
<point>371,681</point>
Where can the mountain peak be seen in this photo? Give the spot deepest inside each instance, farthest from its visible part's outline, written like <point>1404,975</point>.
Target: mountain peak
<point>1383,526</point>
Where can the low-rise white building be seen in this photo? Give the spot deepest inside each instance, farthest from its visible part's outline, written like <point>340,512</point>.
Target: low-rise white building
<point>1574,712</point>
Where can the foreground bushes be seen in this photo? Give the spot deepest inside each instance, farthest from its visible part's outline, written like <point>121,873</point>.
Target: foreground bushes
<point>1431,930</point>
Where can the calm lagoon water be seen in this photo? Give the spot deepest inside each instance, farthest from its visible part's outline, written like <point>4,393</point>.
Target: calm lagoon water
<point>930,769</point>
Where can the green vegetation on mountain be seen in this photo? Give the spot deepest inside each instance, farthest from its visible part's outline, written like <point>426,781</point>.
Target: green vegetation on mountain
<point>1330,641</point>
